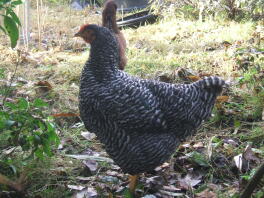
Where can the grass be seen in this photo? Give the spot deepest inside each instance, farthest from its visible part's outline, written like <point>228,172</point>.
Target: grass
<point>164,47</point>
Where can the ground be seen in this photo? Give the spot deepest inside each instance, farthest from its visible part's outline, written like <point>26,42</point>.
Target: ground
<point>206,165</point>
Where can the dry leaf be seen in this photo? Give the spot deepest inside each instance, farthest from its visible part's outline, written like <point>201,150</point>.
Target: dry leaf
<point>8,151</point>
<point>189,181</point>
<point>170,194</point>
<point>238,161</point>
<point>43,86</point>
<point>91,164</point>
<point>194,78</point>
<point>183,146</point>
<point>232,142</point>
<point>85,157</point>
<point>206,194</point>
<point>236,75</point>
<point>243,86</point>
<point>149,196</point>
<point>112,173</point>
<point>198,145</point>
<point>86,193</point>
<point>84,178</point>
<point>238,42</point>
<point>210,148</point>
<point>65,115</point>
<point>75,187</point>
<point>171,188</point>
<point>229,149</point>
<point>226,44</point>
<point>205,75</point>
<point>61,145</point>
<point>221,99</point>
<point>249,155</point>
<point>88,136</point>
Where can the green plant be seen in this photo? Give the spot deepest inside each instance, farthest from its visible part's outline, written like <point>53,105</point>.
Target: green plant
<point>26,126</point>
<point>11,21</point>
<point>250,62</point>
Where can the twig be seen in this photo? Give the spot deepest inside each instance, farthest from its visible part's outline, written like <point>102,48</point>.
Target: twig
<point>253,183</point>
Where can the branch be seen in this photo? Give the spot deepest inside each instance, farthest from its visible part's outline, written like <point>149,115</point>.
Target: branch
<point>253,182</point>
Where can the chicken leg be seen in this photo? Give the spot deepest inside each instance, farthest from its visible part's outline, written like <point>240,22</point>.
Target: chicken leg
<point>133,183</point>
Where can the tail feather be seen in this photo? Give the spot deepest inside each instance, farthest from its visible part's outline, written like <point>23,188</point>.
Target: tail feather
<point>212,84</point>
<point>109,16</point>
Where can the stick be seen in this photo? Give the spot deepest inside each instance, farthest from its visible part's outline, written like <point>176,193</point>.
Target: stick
<point>253,182</point>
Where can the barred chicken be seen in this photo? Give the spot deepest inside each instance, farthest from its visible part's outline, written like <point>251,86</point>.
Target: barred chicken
<point>140,122</point>
<point>109,21</point>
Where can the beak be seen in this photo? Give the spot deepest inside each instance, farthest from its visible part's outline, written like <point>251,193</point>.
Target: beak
<point>78,34</point>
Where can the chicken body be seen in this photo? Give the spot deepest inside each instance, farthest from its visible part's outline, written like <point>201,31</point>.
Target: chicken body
<point>109,21</point>
<point>140,122</point>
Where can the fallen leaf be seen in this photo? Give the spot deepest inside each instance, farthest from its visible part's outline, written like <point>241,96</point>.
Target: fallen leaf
<point>171,188</point>
<point>43,86</point>
<point>155,182</point>
<point>84,178</point>
<point>229,149</point>
<point>210,148</point>
<point>65,115</point>
<point>231,141</point>
<point>149,196</point>
<point>250,155</point>
<point>198,145</point>
<point>226,44</point>
<point>86,193</point>
<point>189,181</point>
<point>85,157</point>
<point>171,194</point>
<point>112,173</point>
<point>88,136</point>
<point>221,99</point>
<point>91,164</point>
<point>8,151</point>
<point>205,75</point>
<point>109,179</point>
<point>183,146</point>
<point>238,42</point>
<point>236,75</point>
<point>238,161</point>
<point>193,78</point>
<point>236,130</point>
<point>22,80</point>
<point>206,194</point>
<point>75,187</point>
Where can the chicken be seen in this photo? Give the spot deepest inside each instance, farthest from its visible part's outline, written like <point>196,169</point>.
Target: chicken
<point>140,122</point>
<point>109,21</point>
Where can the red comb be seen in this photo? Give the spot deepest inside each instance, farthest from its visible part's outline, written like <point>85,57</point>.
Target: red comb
<point>83,27</point>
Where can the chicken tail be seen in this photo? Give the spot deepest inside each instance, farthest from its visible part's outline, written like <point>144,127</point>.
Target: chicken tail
<point>212,84</point>
<point>109,16</point>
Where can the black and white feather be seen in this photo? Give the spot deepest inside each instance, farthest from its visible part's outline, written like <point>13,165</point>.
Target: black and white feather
<point>140,122</point>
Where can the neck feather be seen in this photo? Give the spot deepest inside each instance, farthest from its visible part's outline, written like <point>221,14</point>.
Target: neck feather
<point>104,59</point>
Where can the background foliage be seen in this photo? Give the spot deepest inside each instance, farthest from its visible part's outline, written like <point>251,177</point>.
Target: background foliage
<point>11,21</point>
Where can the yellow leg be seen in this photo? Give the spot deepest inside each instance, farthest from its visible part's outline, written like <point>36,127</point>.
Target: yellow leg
<point>133,183</point>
